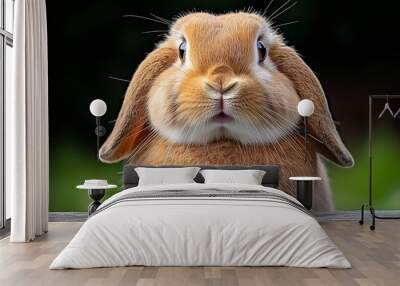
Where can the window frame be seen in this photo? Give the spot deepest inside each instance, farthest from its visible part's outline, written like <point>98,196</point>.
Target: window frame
<point>6,39</point>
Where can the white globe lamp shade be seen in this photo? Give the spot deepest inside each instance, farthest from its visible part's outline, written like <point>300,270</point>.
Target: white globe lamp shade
<point>305,107</point>
<point>98,107</point>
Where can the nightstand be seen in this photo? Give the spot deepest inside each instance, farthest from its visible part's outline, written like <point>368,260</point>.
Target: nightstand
<point>305,189</point>
<point>96,191</point>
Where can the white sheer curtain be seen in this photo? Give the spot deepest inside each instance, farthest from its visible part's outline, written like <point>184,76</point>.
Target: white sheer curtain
<point>27,124</point>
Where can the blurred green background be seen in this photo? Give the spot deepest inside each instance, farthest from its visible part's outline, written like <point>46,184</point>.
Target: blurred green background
<point>347,43</point>
<point>72,164</point>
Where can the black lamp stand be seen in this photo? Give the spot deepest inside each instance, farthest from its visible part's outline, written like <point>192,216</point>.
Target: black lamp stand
<point>100,131</point>
<point>96,195</point>
<point>305,138</point>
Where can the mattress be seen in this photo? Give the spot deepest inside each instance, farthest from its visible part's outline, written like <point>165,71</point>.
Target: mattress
<point>201,225</point>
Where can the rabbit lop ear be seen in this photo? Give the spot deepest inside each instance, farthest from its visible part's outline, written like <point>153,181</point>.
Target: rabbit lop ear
<point>130,127</point>
<point>321,124</point>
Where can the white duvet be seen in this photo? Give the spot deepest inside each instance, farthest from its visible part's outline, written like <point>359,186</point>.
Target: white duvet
<point>200,231</point>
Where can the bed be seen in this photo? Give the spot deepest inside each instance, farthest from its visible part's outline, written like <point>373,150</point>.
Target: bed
<point>198,224</point>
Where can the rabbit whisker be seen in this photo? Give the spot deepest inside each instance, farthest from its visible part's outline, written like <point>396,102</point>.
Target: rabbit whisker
<point>195,106</point>
<point>290,123</point>
<point>142,145</point>
<point>294,108</point>
<point>280,8</point>
<point>273,123</point>
<point>286,134</point>
<point>155,31</point>
<point>269,120</point>
<point>296,129</point>
<point>161,18</point>
<point>280,13</point>
<point>285,24</point>
<point>138,132</point>
<point>249,9</point>
<point>266,8</point>
<point>167,158</point>
<point>118,79</point>
<point>143,18</point>
<point>185,136</point>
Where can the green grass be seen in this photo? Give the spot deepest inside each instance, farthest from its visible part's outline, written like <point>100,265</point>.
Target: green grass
<point>350,186</point>
<point>71,164</point>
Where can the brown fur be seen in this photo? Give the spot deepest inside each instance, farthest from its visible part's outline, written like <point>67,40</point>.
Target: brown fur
<point>161,152</point>
<point>308,86</point>
<point>172,96</point>
<point>129,128</point>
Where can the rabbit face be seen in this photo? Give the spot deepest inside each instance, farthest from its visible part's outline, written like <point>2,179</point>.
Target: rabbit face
<point>221,77</point>
<point>223,83</point>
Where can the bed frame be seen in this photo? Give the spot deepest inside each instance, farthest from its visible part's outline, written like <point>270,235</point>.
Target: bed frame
<point>270,179</point>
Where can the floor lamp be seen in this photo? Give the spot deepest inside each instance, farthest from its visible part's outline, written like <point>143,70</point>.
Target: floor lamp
<point>305,108</point>
<point>98,108</point>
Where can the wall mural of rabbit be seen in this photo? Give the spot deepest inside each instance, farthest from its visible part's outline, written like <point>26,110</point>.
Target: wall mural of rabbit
<point>223,90</point>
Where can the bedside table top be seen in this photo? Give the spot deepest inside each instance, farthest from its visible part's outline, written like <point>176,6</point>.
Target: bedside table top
<point>84,187</point>
<point>305,178</point>
<point>96,184</point>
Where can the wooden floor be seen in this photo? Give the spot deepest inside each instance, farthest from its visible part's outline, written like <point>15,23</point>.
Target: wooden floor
<point>375,257</point>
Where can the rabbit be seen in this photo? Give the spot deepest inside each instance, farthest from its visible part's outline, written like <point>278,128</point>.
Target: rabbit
<point>223,90</point>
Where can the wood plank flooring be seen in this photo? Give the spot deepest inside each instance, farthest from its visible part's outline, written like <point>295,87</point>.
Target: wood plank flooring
<point>375,257</point>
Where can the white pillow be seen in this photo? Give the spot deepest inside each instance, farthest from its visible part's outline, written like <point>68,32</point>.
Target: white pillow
<point>248,177</point>
<point>166,176</point>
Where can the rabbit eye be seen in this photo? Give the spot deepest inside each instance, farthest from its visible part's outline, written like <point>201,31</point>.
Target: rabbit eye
<point>182,50</point>
<point>262,51</point>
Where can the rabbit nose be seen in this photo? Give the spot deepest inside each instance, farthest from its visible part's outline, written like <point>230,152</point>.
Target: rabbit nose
<point>219,78</point>
<point>221,88</point>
